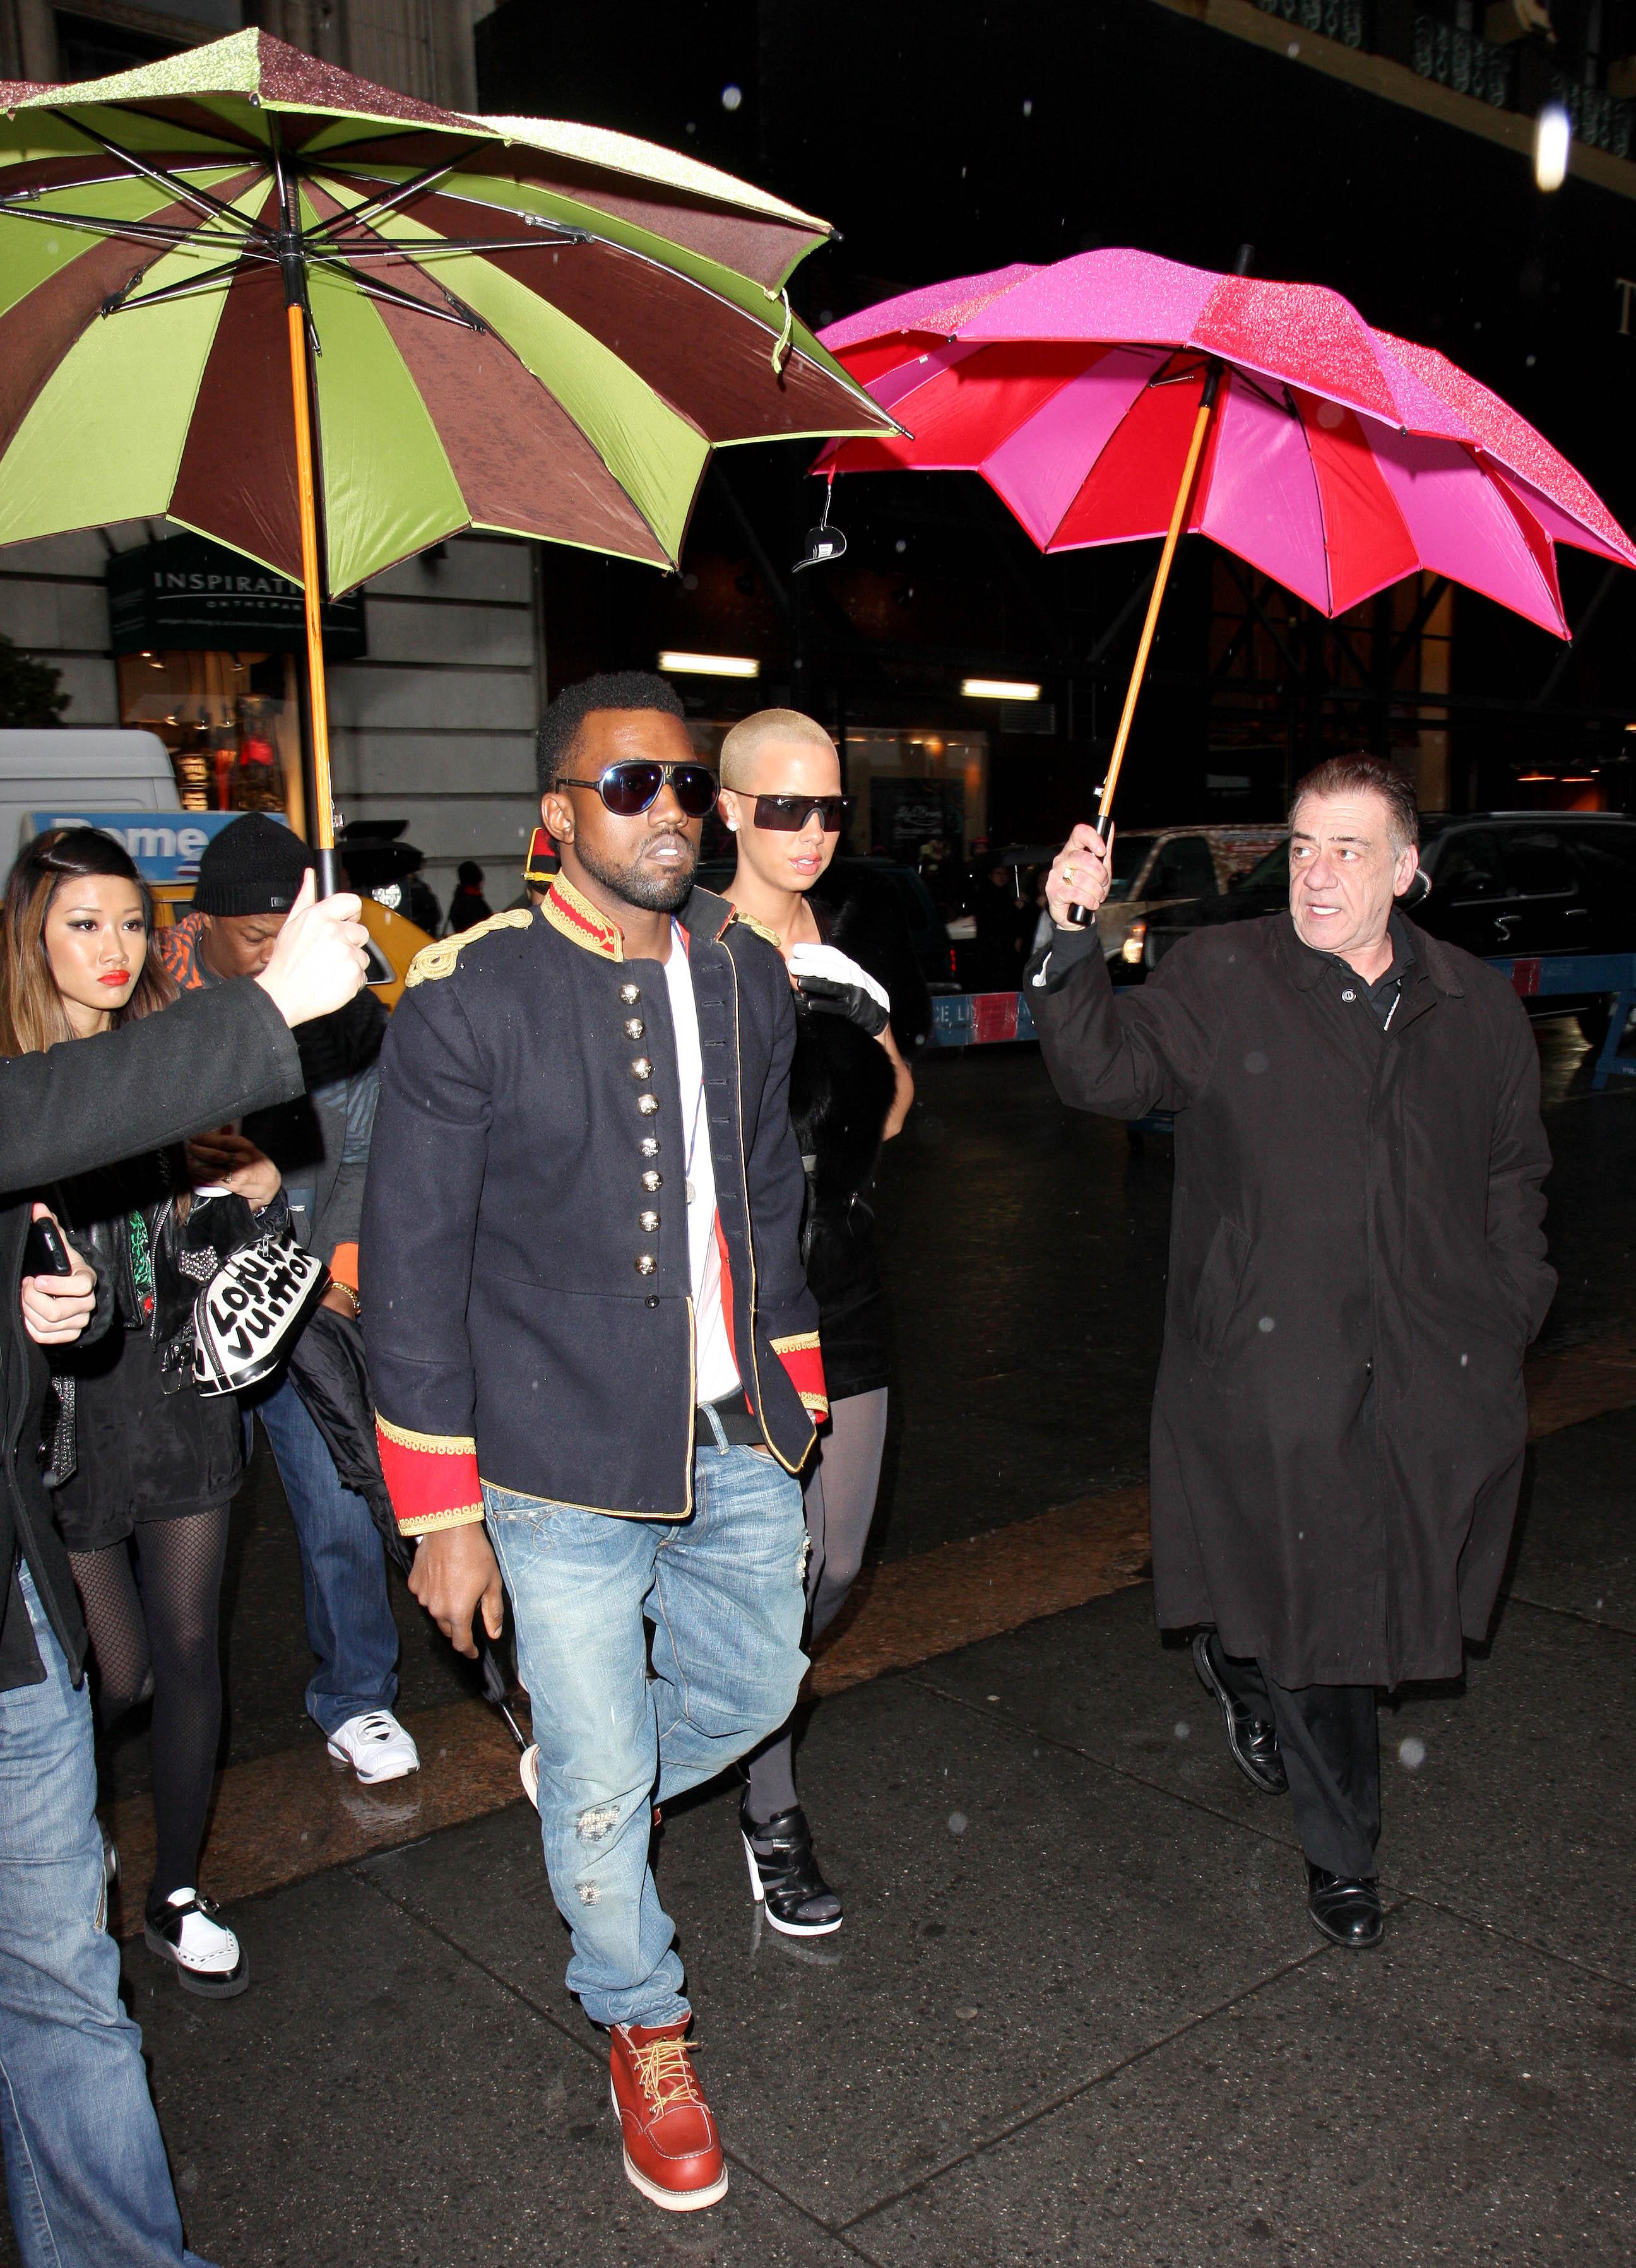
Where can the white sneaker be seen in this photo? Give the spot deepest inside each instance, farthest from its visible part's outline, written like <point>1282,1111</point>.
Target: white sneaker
<point>376,1746</point>
<point>205,1951</point>
<point>528,1772</point>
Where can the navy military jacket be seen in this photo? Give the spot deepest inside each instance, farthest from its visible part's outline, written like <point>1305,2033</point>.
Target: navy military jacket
<point>525,1271</point>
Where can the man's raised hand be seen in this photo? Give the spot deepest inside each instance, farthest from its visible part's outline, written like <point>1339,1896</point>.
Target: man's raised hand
<point>1081,874</point>
<point>320,961</point>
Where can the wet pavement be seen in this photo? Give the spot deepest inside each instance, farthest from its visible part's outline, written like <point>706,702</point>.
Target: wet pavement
<point>1077,2012</point>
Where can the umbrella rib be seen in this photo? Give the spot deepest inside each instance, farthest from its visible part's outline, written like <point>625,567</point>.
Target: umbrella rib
<point>463,246</point>
<point>201,199</point>
<point>141,232</point>
<point>377,205</point>
<point>119,301</point>
<point>1317,490</point>
<point>373,288</point>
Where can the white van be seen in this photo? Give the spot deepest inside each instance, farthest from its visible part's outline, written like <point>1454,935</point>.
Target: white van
<point>63,774</point>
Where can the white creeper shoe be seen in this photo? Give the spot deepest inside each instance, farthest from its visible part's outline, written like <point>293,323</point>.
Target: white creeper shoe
<point>204,1952</point>
<point>376,1746</point>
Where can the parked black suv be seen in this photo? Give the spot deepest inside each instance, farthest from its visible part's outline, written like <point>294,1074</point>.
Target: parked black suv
<point>1505,885</point>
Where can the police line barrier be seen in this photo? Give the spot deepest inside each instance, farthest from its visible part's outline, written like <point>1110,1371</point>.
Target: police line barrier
<point>975,1019</point>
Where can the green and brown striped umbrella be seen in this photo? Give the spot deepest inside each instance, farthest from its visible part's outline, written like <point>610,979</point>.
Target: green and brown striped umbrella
<point>518,326</point>
<point>503,324</point>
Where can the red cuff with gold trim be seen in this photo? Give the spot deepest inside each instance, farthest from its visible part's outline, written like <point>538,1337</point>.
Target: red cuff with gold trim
<point>803,1359</point>
<point>431,1477</point>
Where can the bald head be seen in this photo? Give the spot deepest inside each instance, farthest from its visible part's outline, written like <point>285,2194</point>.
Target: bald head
<point>746,744</point>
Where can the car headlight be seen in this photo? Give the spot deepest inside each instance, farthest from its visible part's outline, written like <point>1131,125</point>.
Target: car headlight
<point>1135,939</point>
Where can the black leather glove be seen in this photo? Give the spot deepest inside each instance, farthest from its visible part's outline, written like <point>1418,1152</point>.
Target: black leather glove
<point>835,986</point>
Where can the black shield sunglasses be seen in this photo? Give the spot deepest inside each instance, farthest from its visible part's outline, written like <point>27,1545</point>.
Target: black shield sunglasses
<point>633,787</point>
<point>787,814</point>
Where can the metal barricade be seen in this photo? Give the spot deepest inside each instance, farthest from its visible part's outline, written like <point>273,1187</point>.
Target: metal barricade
<point>975,1019</point>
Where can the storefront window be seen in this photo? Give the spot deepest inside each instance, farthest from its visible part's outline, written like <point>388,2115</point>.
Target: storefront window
<point>231,721</point>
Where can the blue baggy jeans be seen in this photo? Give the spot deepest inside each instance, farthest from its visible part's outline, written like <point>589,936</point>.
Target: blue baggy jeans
<point>85,2167</point>
<point>724,1591</point>
<point>349,1625</point>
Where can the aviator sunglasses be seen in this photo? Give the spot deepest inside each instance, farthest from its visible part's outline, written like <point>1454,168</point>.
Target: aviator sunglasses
<point>632,787</point>
<point>787,814</point>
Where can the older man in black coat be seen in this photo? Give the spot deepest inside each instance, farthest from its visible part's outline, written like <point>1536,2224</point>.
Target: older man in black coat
<point>1357,1265</point>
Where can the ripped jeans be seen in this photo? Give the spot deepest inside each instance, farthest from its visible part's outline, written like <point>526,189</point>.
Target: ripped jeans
<point>724,1591</point>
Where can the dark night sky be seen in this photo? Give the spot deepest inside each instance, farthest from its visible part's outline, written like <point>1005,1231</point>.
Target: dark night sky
<point>945,141</point>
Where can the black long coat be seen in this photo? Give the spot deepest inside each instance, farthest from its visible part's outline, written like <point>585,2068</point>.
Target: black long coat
<point>1357,1264</point>
<point>211,1056</point>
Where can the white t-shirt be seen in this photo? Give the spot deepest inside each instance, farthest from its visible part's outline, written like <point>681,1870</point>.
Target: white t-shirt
<point>718,1374</point>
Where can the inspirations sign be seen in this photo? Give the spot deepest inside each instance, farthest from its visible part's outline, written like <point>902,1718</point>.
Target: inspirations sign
<point>188,593</point>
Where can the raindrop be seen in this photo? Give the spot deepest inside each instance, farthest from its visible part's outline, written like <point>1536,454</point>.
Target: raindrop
<point>1028,108</point>
<point>1265,1323</point>
<point>957,1823</point>
<point>993,1697</point>
<point>1529,361</point>
<point>732,97</point>
<point>1255,1060</point>
<point>1184,1730</point>
<point>1464,1361</point>
<point>825,315</point>
<point>900,545</point>
<point>1411,1753</point>
<point>691,127</point>
<point>689,582</point>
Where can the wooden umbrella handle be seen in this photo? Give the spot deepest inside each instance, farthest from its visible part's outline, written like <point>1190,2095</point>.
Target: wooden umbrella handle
<point>1080,915</point>
<point>321,817</point>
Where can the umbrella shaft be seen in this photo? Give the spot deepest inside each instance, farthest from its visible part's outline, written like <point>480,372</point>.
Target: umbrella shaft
<point>1178,520</point>
<point>321,816</point>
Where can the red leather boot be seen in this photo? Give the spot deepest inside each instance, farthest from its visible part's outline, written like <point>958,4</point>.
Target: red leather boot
<point>672,2152</point>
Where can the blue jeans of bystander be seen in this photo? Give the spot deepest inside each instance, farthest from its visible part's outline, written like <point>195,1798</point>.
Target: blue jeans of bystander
<point>343,1570</point>
<point>723,1589</point>
<point>85,2167</point>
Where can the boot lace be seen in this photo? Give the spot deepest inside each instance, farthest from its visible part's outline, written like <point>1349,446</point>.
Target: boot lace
<point>666,2073</point>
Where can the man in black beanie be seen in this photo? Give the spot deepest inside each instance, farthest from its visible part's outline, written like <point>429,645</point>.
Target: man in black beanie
<point>317,1151</point>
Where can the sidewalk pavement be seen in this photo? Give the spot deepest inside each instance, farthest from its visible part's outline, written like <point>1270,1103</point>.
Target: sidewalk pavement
<point>1077,2012</point>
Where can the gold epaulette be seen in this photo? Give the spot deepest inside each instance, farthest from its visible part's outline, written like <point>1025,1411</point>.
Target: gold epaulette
<point>760,928</point>
<point>438,959</point>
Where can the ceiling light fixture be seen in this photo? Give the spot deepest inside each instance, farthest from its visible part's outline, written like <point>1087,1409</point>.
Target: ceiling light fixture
<point>1553,136</point>
<point>998,688</point>
<point>709,665</point>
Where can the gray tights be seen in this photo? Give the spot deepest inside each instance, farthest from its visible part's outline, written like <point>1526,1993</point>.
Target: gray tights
<point>840,1501</point>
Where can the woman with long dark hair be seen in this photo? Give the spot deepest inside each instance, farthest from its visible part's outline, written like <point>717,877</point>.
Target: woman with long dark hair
<point>853,971</point>
<point>143,1466</point>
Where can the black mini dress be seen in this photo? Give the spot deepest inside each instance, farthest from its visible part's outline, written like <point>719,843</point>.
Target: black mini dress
<point>148,1446</point>
<point>841,1089</point>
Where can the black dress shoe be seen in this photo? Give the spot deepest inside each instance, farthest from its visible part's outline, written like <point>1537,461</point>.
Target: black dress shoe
<point>1346,1910</point>
<point>1254,1742</point>
<point>783,1874</point>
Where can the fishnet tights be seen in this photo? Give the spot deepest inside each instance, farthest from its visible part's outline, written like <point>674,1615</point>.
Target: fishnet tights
<point>159,1616</point>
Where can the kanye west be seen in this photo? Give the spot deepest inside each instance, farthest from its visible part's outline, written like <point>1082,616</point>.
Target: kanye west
<point>595,1358</point>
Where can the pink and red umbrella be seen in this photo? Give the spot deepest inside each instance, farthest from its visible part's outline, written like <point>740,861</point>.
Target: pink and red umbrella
<point>1118,396</point>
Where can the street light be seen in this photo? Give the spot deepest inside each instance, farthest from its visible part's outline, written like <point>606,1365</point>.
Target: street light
<point>710,665</point>
<point>1553,135</point>
<point>997,688</point>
